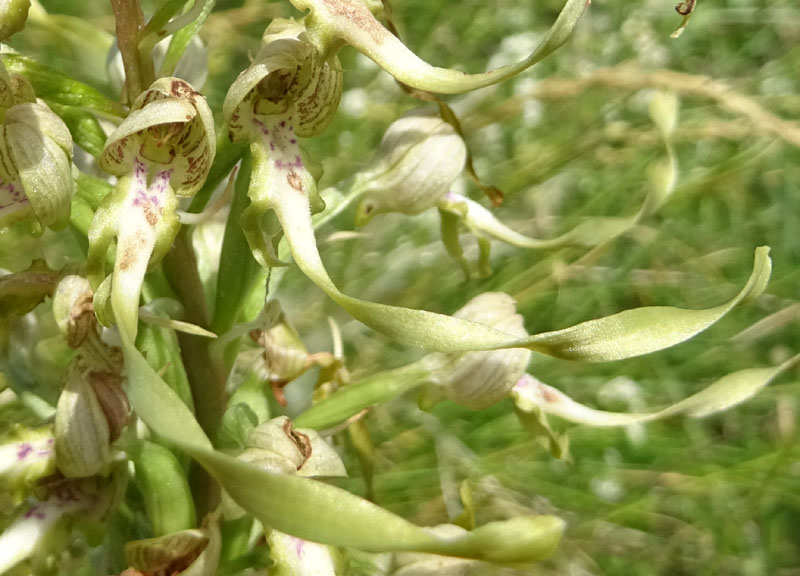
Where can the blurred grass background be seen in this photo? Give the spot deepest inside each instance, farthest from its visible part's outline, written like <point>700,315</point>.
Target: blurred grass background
<point>568,139</point>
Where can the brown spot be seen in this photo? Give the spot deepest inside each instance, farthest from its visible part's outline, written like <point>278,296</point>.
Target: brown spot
<point>277,391</point>
<point>81,320</point>
<point>181,89</point>
<point>547,394</point>
<point>358,14</point>
<point>150,214</point>
<point>302,441</point>
<point>107,387</point>
<point>130,252</point>
<point>294,180</point>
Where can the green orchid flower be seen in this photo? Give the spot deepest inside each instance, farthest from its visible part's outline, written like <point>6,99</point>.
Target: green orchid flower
<point>162,150</point>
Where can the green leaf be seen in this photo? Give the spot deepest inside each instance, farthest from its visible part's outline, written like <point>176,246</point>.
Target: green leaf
<point>531,395</point>
<point>353,398</point>
<point>315,511</point>
<point>181,38</point>
<point>164,488</point>
<point>84,127</point>
<point>55,87</point>
<point>160,347</point>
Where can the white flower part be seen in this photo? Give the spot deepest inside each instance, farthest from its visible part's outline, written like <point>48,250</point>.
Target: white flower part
<point>31,456</point>
<point>170,127</point>
<point>14,205</point>
<point>300,557</point>
<point>20,540</point>
<point>142,212</point>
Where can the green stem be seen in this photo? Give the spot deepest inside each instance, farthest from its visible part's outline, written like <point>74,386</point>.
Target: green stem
<point>208,391</point>
<point>206,383</point>
<point>139,71</point>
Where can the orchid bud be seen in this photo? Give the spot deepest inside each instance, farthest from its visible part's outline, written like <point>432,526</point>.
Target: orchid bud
<point>13,14</point>
<point>287,75</point>
<point>187,552</point>
<point>35,167</point>
<point>479,379</point>
<point>420,157</point>
<point>276,446</point>
<point>90,414</point>
<point>285,355</point>
<point>72,309</point>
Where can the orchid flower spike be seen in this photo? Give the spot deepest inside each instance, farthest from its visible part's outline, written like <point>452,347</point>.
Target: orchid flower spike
<point>162,150</point>
<point>35,158</point>
<point>332,23</point>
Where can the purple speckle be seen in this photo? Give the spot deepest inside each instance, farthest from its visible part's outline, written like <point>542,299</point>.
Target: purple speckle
<point>298,548</point>
<point>35,512</point>
<point>293,140</point>
<point>24,451</point>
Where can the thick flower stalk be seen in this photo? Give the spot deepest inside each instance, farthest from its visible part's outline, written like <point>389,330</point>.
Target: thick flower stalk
<point>162,150</point>
<point>35,158</point>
